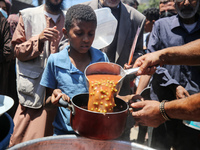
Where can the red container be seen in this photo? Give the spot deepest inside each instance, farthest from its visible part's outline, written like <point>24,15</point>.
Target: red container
<point>97,125</point>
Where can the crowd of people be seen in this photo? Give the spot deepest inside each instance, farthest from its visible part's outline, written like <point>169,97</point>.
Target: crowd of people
<point>45,50</point>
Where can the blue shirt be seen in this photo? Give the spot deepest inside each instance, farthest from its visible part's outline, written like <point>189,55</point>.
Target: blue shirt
<point>168,32</point>
<point>61,74</point>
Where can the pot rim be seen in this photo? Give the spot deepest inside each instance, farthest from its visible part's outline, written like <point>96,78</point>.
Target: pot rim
<point>108,113</point>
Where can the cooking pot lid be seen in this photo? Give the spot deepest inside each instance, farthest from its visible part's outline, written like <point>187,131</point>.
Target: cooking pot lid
<point>6,103</point>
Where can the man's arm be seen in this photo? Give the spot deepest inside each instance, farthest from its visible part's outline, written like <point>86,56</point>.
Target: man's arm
<point>24,49</point>
<point>184,109</point>
<point>33,47</point>
<point>6,41</point>
<point>188,54</point>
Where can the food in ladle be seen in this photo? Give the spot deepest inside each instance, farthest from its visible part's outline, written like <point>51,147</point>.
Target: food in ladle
<point>101,92</point>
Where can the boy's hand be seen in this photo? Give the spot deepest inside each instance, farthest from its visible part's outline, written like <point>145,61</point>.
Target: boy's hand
<point>56,95</point>
<point>126,66</point>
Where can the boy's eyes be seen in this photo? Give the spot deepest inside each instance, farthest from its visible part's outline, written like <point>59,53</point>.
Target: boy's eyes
<point>79,33</point>
<point>91,34</point>
<point>82,33</point>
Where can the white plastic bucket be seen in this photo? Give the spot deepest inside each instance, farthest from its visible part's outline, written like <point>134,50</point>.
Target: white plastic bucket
<point>106,28</point>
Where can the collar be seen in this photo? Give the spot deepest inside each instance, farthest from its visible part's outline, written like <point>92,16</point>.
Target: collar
<point>62,59</point>
<point>176,23</point>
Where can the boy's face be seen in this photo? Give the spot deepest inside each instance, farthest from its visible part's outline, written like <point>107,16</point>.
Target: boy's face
<point>81,35</point>
<point>148,25</point>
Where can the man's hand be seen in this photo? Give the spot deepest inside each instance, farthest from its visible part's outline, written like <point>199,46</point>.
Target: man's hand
<point>181,92</point>
<point>50,34</point>
<point>147,63</point>
<point>149,115</point>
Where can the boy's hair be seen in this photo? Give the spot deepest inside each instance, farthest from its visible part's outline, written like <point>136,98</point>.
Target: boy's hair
<point>79,12</point>
<point>151,14</point>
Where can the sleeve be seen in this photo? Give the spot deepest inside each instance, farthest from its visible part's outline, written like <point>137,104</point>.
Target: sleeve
<point>48,76</point>
<point>105,57</point>
<point>63,43</point>
<point>25,49</point>
<point>165,78</point>
<point>154,45</point>
<point>6,52</point>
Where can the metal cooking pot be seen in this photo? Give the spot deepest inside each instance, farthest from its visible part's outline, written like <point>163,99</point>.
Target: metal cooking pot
<point>70,142</point>
<point>97,125</point>
<point>94,124</point>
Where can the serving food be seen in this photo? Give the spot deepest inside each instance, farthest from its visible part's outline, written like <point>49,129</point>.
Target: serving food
<point>101,92</point>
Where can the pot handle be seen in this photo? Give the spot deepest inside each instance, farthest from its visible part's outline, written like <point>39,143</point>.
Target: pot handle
<point>65,104</point>
<point>133,101</point>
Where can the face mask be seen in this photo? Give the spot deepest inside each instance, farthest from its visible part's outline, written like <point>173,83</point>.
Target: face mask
<point>4,13</point>
<point>166,14</point>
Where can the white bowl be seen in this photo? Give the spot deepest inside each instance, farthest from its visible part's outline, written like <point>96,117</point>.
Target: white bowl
<point>6,103</point>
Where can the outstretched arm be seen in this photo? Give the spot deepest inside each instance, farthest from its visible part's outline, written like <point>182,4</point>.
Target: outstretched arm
<point>188,54</point>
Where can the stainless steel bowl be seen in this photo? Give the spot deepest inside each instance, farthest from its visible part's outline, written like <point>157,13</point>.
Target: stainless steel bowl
<point>76,143</point>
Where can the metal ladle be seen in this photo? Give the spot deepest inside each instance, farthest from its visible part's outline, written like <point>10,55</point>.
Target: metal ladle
<point>109,68</point>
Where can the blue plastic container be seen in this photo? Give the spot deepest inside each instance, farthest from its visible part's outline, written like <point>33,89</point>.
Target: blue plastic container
<point>6,129</point>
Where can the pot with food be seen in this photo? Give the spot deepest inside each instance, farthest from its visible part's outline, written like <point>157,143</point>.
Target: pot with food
<point>99,114</point>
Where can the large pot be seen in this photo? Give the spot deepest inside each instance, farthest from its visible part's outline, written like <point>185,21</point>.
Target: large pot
<point>94,124</point>
<point>69,142</point>
<point>97,125</point>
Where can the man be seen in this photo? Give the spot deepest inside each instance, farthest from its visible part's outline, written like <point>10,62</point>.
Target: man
<point>6,54</point>
<point>185,109</point>
<point>175,82</point>
<point>118,51</point>
<point>151,14</point>
<point>37,36</point>
<point>132,3</point>
<point>167,8</point>
<point>129,20</point>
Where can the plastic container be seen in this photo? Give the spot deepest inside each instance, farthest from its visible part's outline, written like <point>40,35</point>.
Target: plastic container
<point>106,28</point>
<point>6,129</point>
<point>6,103</point>
<point>192,124</point>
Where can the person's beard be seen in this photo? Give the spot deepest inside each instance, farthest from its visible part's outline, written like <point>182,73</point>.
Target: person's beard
<point>188,15</point>
<point>52,7</point>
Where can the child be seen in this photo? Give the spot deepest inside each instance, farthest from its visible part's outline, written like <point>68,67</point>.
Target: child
<point>64,72</point>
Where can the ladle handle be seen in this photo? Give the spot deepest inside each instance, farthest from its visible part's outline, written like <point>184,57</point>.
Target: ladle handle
<point>132,71</point>
<point>63,103</point>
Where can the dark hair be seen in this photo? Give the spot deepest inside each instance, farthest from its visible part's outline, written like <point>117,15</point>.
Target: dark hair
<point>79,12</point>
<point>151,14</point>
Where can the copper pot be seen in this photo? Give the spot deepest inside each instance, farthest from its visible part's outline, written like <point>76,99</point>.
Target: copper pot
<point>97,125</point>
